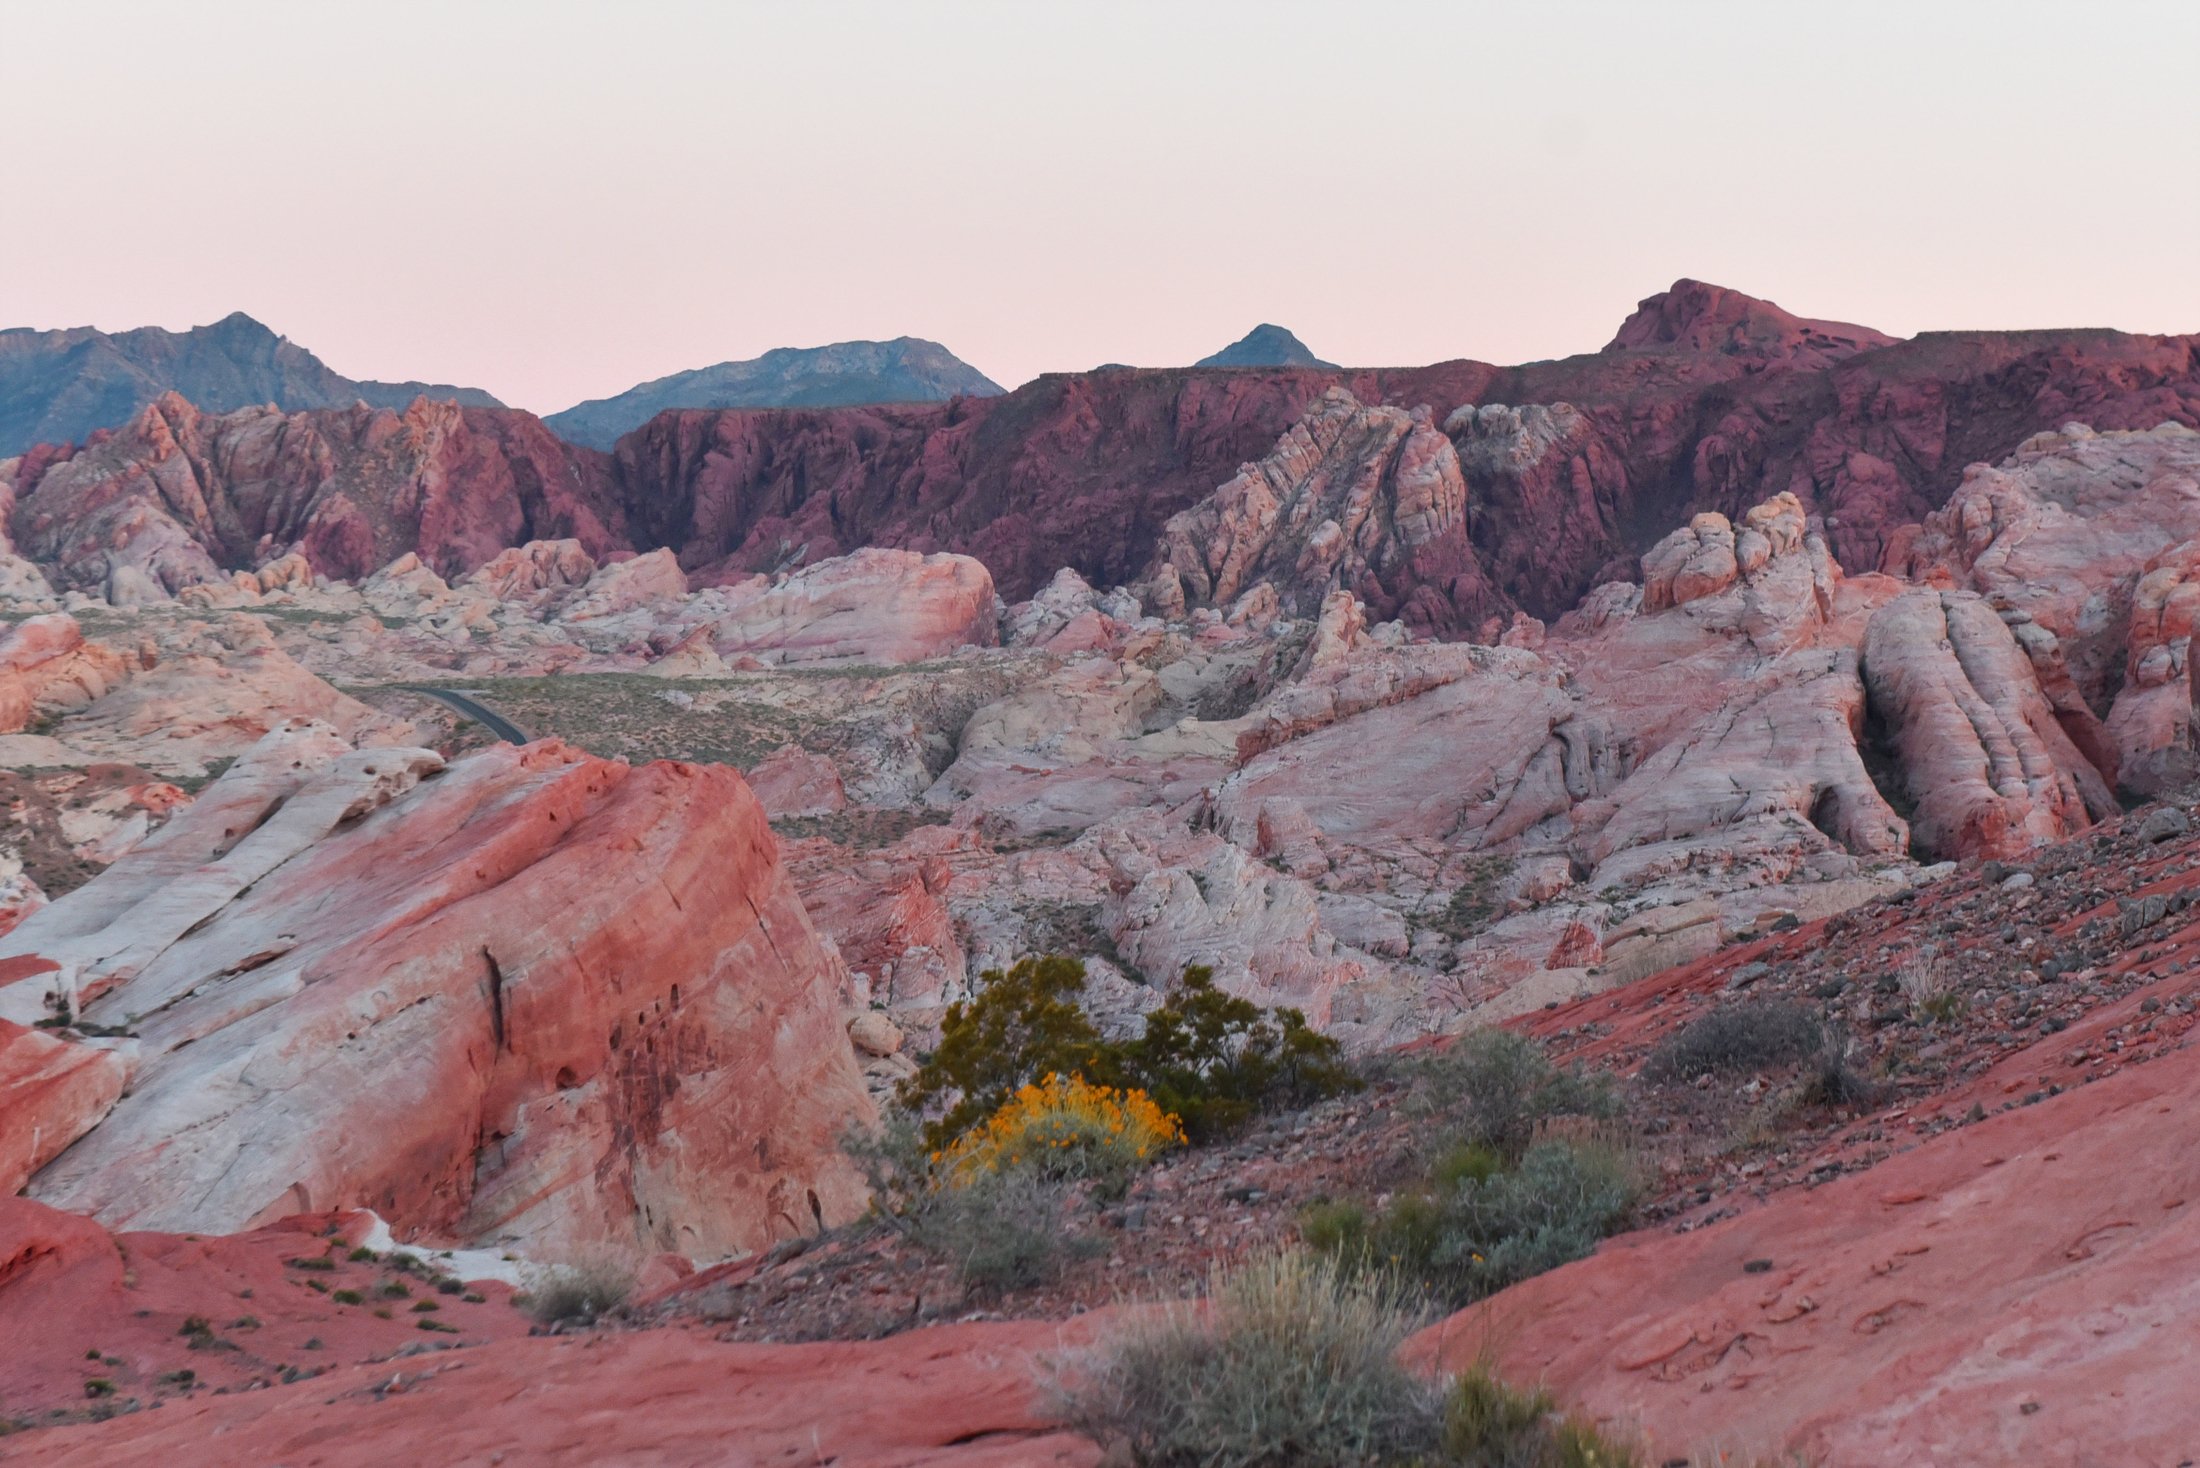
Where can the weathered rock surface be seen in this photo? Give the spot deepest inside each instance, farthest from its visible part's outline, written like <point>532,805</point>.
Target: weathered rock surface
<point>1365,500</point>
<point>878,605</point>
<point>2080,540</point>
<point>965,1395</point>
<point>180,496</point>
<point>1708,402</point>
<point>539,999</point>
<point>1993,1295</point>
<point>1990,767</point>
<point>1696,317</point>
<point>51,1093</point>
<point>47,668</point>
<point>167,1319</point>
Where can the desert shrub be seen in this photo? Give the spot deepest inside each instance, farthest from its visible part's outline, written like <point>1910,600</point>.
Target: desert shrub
<point>1496,1088</point>
<point>580,1292</point>
<point>1477,1225</point>
<point>1065,1128</point>
<point>1831,1080</point>
<point>1023,1024</point>
<point>1752,1035</point>
<point>1293,1362</point>
<point>1209,1058</point>
<point>1000,1230</point>
<point>1213,1059</point>
<point>1488,1424</point>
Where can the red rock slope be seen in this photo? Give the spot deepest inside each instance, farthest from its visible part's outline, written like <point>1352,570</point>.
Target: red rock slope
<point>539,999</point>
<point>965,1395</point>
<point>2026,1289</point>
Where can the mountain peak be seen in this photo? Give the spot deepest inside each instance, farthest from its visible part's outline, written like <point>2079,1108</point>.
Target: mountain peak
<point>1696,316</point>
<point>1266,345</point>
<point>906,369</point>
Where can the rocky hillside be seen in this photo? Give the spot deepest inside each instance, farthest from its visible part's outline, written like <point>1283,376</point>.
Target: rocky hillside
<point>60,387</point>
<point>845,374</point>
<point>1568,470</point>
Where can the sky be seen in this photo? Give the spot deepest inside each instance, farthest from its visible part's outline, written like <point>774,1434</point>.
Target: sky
<point>557,200</point>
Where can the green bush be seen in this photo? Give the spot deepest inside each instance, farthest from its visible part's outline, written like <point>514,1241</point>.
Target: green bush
<point>1495,1088</point>
<point>1022,1026</point>
<point>1212,1059</point>
<point>1000,1229</point>
<point>1294,1362</point>
<point>1207,1057</point>
<point>1477,1226</point>
<point>1753,1035</point>
<point>1488,1424</point>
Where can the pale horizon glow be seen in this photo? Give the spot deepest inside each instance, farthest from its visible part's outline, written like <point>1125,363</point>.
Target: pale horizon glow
<point>554,201</point>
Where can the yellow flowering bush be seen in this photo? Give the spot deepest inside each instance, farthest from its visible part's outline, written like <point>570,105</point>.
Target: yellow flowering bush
<point>1063,1126</point>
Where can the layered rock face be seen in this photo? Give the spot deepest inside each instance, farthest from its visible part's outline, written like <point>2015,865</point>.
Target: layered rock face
<point>538,999</point>
<point>46,667</point>
<point>1989,765</point>
<point>181,497</point>
<point>2082,541</point>
<point>1365,500</point>
<point>895,606</point>
<point>1707,401</point>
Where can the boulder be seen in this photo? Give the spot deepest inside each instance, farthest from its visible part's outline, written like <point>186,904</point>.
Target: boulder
<point>876,605</point>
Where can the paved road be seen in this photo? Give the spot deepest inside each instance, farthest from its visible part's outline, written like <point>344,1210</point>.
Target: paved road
<point>495,723</point>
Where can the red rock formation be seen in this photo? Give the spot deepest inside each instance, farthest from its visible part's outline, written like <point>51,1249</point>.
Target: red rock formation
<point>78,1303</point>
<point>962,1395</point>
<point>1988,763</point>
<point>46,666</point>
<point>1696,317</point>
<point>1709,401</point>
<point>2009,1292</point>
<point>51,1093</point>
<point>186,497</point>
<point>540,998</point>
<point>1364,500</point>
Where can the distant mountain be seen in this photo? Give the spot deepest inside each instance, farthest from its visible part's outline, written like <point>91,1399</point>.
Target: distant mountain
<point>907,369</point>
<point>58,386</point>
<point>1266,345</point>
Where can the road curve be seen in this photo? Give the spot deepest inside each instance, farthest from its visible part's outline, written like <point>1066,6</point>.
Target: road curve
<point>494,722</point>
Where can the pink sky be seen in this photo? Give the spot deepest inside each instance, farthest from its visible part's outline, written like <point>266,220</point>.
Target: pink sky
<point>554,201</point>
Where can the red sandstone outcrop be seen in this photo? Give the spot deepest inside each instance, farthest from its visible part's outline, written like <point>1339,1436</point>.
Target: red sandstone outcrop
<point>2004,1293</point>
<point>180,497</point>
<point>1696,317</point>
<point>961,1395</point>
<point>46,667</point>
<point>1985,759</point>
<point>880,605</point>
<point>539,999</point>
<point>1364,500</point>
<point>2076,539</point>
<point>51,1093</point>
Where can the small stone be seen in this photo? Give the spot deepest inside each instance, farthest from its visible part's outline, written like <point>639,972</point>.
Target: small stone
<point>1757,1266</point>
<point>2166,824</point>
